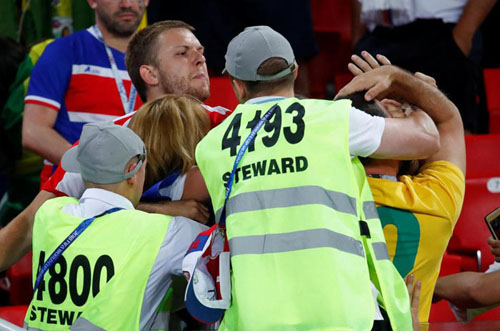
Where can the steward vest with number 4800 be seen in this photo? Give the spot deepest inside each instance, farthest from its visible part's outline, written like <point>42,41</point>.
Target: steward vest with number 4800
<point>99,281</point>
<point>303,232</point>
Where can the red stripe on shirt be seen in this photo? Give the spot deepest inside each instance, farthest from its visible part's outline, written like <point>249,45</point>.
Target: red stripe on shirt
<point>41,103</point>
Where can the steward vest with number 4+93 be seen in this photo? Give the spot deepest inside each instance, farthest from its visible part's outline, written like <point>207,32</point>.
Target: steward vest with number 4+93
<point>303,232</point>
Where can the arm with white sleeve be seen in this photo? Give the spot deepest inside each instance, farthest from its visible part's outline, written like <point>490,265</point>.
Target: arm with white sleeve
<point>412,137</point>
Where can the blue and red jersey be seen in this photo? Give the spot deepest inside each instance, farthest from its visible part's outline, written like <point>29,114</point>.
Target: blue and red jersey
<point>74,77</point>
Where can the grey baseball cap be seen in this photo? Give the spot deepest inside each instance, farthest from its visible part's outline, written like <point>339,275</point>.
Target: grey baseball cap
<point>103,153</point>
<point>246,52</point>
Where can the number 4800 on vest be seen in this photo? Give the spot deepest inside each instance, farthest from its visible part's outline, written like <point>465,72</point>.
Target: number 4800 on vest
<point>58,287</point>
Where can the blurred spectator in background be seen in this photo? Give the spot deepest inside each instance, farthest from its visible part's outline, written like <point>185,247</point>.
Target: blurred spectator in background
<point>21,167</point>
<point>489,32</point>
<point>80,79</point>
<point>433,37</point>
<point>218,21</point>
<point>30,22</point>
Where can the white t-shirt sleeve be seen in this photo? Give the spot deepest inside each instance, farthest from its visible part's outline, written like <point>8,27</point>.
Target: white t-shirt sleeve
<point>72,185</point>
<point>365,132</point>
<point>181,234</point>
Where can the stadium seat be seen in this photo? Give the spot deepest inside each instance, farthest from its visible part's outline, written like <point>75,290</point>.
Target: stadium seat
<point>14,314</point>
<point>332,26</point>
<point>450,264</point>
<point>471,233</point>
<point>492,87</point>
<point>483,152</point>
<point>20,280</point>
<point>482,195</point>
<point>332,16</point>
<point>221,93</point>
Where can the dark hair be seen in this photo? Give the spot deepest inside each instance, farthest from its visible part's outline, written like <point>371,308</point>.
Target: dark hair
<point>270,67</point>
<point>143,49</point>
<point>372,108</point>
<point>359,102</point>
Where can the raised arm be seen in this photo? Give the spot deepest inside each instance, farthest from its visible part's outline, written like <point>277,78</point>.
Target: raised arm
<point>446,117</point>
<point>39,135</point>
<point>413,137</point>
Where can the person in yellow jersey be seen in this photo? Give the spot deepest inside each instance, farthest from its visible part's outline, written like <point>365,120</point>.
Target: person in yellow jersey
<point>303,234</point>
<point>418,211</point>
<point>97,262</point>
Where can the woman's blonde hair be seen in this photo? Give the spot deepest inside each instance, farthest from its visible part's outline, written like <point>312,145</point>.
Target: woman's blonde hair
<point>170,127</point>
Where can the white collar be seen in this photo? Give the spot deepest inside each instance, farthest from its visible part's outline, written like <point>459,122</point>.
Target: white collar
<point>95,201</point>
<point>264,99</point>
<point>108,197</point>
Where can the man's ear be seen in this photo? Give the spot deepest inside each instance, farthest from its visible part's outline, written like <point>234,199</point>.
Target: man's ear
<point>149,75</point>
<point>239,89</point>
<point>132,180</point>
<point>296,72</point>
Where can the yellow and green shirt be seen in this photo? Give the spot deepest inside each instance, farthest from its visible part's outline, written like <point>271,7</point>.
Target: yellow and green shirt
<point>418,214</point>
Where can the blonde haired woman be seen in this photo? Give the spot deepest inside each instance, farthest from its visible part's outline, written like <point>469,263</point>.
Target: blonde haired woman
<point>171,127</point>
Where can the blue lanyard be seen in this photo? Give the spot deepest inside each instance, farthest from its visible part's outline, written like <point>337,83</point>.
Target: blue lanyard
<point>128,104</point>
<point>65,244</point>
<point>242,150</point>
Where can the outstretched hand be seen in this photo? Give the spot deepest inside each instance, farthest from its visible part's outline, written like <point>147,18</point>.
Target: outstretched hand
<point>379,82</point>
<point>367,62</point>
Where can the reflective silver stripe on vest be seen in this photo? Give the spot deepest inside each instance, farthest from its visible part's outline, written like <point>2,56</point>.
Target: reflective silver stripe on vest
<point>289,197</point>
<point>380,250</point>
<point>83,324</point>
<point>294,241</point>
<point>26,327</point>
<point>370,209</point>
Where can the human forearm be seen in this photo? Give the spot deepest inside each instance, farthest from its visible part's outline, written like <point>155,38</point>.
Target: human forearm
<point>389,81</point>
<point>15,238</point>
<point>187,208</point>
<point>38,133</point>
<point>15,241</point>
<point>423,95</point>
<point>409,138</point>
<point>474,13</point>
<point>469,289</point>
<point>357,27</point>
<point>51,147</point>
